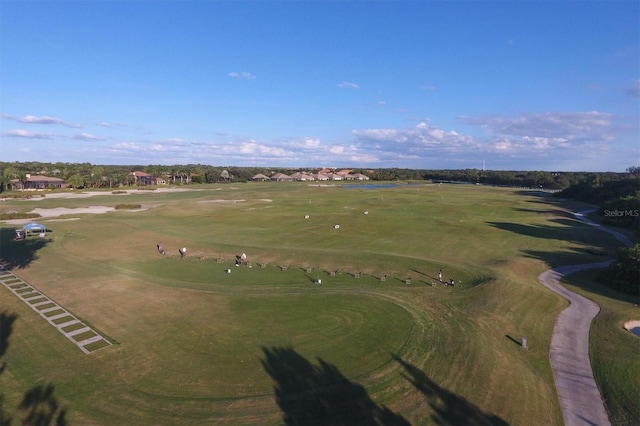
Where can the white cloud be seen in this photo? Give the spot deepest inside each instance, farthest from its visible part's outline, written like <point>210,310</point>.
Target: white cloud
<point>88,137</point>
<point>569,125</point>
<point>311,142</point>
<point>419,138</point>
<point>243,74</point>
<point>20,133</point>
<point>39,120</point>
<point>45,120</point>
<point>128,147</point>
<point>176,141</point>
<point>365,158</point>
<point>348,85</point>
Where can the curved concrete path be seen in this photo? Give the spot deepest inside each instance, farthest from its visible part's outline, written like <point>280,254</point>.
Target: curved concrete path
<point>578,393</point>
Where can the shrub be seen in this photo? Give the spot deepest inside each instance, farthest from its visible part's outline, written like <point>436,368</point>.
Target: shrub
<point>17,215</point>
<point>624,273</point>
<point>128,206</point>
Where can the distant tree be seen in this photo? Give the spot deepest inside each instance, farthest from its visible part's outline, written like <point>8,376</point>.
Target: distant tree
<point>8,174</point>
<point>76,181</point>
<point>634,170</point>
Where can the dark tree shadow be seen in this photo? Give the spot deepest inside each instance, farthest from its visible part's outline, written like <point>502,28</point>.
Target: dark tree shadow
<point>6,328</point>
<point>567,230</point>
<point>42,407</point>
<point>550,211</point>
<point>448,408</point>
<point>320,394</point>
<point>18,254</point>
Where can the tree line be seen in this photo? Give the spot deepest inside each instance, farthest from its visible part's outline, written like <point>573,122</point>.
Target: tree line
<point>87,175</point>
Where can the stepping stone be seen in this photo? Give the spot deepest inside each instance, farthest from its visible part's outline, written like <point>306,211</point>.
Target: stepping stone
<point>17,286</point>
<point>31,295</point>
<point>90,340</point>
<point>45,305</point>
<point>67,324</point>
<point>78,331</point>
<point>53,317</point>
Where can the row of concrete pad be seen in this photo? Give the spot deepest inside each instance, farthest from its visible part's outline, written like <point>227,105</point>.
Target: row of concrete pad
<point>69,325</point>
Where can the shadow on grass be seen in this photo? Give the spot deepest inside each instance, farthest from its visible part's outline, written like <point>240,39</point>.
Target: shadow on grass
<point>551,211</point>
<point>582,279</point>
<point>42,407</point>
<point>516,341</point>
<point>320,394</point>
<point>18,254</point>
<point>567,230</point>
<point>448,408</point>
<point>6,328</point>
<point>39,403</point>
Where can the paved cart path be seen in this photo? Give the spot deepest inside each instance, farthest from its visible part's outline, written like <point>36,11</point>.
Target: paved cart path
<point>578,394</point>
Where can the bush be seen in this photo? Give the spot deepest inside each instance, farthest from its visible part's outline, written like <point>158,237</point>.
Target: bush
<point>128,206</point>
<point>624,273</point>
<point>17,215</point>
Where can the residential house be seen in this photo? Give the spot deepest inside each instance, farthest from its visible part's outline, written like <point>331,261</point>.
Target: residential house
<point>260,177</point>
<point>281,177</point>
<point>142,178</point>
<point>302,176</point>
<point>39,182</point>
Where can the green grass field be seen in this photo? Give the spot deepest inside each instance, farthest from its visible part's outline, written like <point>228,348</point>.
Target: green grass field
<point>193,344</point>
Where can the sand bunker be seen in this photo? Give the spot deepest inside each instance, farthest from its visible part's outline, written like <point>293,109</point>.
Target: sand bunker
<point>633,327</point>
<point>88,194</point>
<point>48,213</point>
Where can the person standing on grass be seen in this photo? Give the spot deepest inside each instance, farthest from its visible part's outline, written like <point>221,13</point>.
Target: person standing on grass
<point>160,249</point>
<point>440,275</point>
<point>183,252</point>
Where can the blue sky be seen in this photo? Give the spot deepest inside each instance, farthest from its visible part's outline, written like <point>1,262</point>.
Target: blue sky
<point>514,85</point>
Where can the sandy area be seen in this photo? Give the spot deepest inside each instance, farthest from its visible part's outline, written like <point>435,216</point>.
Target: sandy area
<point>49,213</point>
<point>633,327</point>
<point>55,212</point>
<point>42,196</point>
